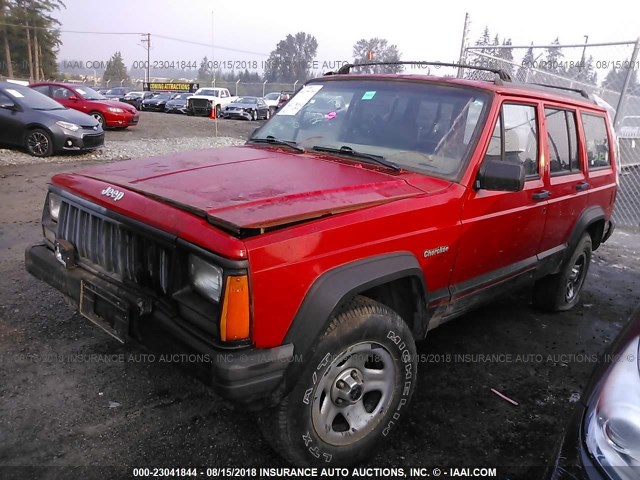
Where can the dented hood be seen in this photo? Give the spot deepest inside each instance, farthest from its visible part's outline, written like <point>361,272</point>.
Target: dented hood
<point>254,188</point>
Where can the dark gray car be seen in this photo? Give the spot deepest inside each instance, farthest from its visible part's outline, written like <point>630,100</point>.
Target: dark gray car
<point>249,108</point>
<point>41,125</point>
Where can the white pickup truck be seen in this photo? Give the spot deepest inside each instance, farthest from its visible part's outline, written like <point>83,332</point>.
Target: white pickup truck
<point>201,102</point>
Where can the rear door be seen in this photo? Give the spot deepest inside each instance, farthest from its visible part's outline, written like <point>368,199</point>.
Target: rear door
<point>501,231</point>
<point>567,184</point>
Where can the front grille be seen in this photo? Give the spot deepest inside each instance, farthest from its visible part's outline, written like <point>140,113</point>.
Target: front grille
<point>199,102</point>
<point>115,249</point>
<point>91,141</point>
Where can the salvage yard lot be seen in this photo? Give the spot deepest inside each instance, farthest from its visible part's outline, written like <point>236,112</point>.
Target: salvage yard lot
<point>71,395</point>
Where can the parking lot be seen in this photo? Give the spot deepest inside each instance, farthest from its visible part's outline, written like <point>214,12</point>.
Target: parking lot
<point>72,396</point>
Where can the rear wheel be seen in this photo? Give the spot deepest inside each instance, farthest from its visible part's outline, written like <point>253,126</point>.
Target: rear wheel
<point>353,392</point>
<point>38,143</point>
<point>561,292</point>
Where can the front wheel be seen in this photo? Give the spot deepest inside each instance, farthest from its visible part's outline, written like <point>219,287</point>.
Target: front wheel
<point>354,391</point>
<point>39,143</point>
<point>561,292</point>
<point>254,115</point>
<point>100,118</point>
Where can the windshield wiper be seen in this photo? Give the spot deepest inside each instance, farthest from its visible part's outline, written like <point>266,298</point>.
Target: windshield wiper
<point>270,139</point>
<point>350,152</point>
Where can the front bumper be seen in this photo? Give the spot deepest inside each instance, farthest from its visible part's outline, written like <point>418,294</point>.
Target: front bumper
<point>237,114</point>
<point>121,119</point>
<point>80,140</point>
<point>244,376</point>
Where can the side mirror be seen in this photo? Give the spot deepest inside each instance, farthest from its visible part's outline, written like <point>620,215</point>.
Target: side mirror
<point>73,98</point>
<point>500,176</point>
<point>8,105</point>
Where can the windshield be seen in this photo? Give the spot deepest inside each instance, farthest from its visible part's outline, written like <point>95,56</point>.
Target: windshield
<point>181,96</point>
<point>29,98</point>
<point>423,127</point>
<point>89,93</point>
<point>272,96</point>
<point>163,96</point>
<point>209,91</point>
<point>246,100</point>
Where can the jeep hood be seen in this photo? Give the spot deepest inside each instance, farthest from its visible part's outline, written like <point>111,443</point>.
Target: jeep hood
<point>240,188</point>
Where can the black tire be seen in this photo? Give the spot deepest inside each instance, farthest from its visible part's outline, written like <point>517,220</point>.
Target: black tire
<point>254,115</point>
<point>100,118</point>
<point>352,393</point>
<point>561,292</point>
<point>38,143</point>
<point>267,115</point>
<point>218,111</point>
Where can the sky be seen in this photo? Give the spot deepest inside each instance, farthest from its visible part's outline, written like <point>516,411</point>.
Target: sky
<point>421,30</point>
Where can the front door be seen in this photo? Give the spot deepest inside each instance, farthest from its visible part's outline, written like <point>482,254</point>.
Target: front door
<point>501,231</point>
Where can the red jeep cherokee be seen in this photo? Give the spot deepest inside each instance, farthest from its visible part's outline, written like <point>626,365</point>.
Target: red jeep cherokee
<point>305,265</point>
<point>110,113</point>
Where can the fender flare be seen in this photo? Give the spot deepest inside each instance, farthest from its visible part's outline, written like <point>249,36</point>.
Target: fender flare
<point>587,218</point>
<point>330,292</point>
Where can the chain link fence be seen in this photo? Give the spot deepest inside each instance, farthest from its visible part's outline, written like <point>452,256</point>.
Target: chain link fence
<point>606,70</point>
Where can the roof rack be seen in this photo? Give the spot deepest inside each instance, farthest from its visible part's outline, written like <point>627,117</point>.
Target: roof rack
<point>568,89</point>
<point>501,73</point>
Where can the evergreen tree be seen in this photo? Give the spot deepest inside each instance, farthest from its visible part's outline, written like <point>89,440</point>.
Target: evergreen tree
<point>553,60</point>
<point>292,58</point>
<point>116,70</point>
<point>34,42</point>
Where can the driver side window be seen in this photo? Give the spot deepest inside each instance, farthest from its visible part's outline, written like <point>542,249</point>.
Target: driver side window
<point>61,93</point>
<point>515,137</point>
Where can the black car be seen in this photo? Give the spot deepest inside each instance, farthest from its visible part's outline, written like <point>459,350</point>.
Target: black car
<point>157,102</point>
<point>178,103</point>
<point>41,125</point>
<point>602,441</point>
<point>116,93</point>
<point>136,98</point>
<point>249,108</point>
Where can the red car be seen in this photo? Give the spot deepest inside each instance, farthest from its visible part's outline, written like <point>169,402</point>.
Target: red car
<point>306,264</point>
<point>110,113</point>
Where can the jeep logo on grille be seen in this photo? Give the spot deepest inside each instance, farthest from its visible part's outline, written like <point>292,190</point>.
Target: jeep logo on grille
<point>113,193</point>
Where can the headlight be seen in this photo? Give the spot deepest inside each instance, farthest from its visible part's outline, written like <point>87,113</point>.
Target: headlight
<point>54,206</point>
<point>206,279</point>
<point>68,126</point>
<point>115,110</point>
<point>613,421</point>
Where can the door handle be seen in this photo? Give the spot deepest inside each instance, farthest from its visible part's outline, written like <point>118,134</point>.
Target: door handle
<point>541,195</point>
<point>582,186</point>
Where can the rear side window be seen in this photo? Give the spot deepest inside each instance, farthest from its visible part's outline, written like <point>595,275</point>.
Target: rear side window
<point>562,141</point>
<point>595,133</point>
<point>515,137</point>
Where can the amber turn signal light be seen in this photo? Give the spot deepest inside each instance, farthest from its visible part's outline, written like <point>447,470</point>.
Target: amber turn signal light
<point>234,322</point>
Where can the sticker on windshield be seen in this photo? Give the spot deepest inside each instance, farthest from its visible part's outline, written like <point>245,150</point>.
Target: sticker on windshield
<point>14,93</point>
<point>294,105</point>
<point>368,95</point>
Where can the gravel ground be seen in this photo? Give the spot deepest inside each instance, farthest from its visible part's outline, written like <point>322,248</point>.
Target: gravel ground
<point>60,408</point>
<point>156,134</point>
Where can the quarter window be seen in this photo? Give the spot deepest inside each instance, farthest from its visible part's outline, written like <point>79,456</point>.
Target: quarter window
<point>562,141</point>
<point>595,132</point>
